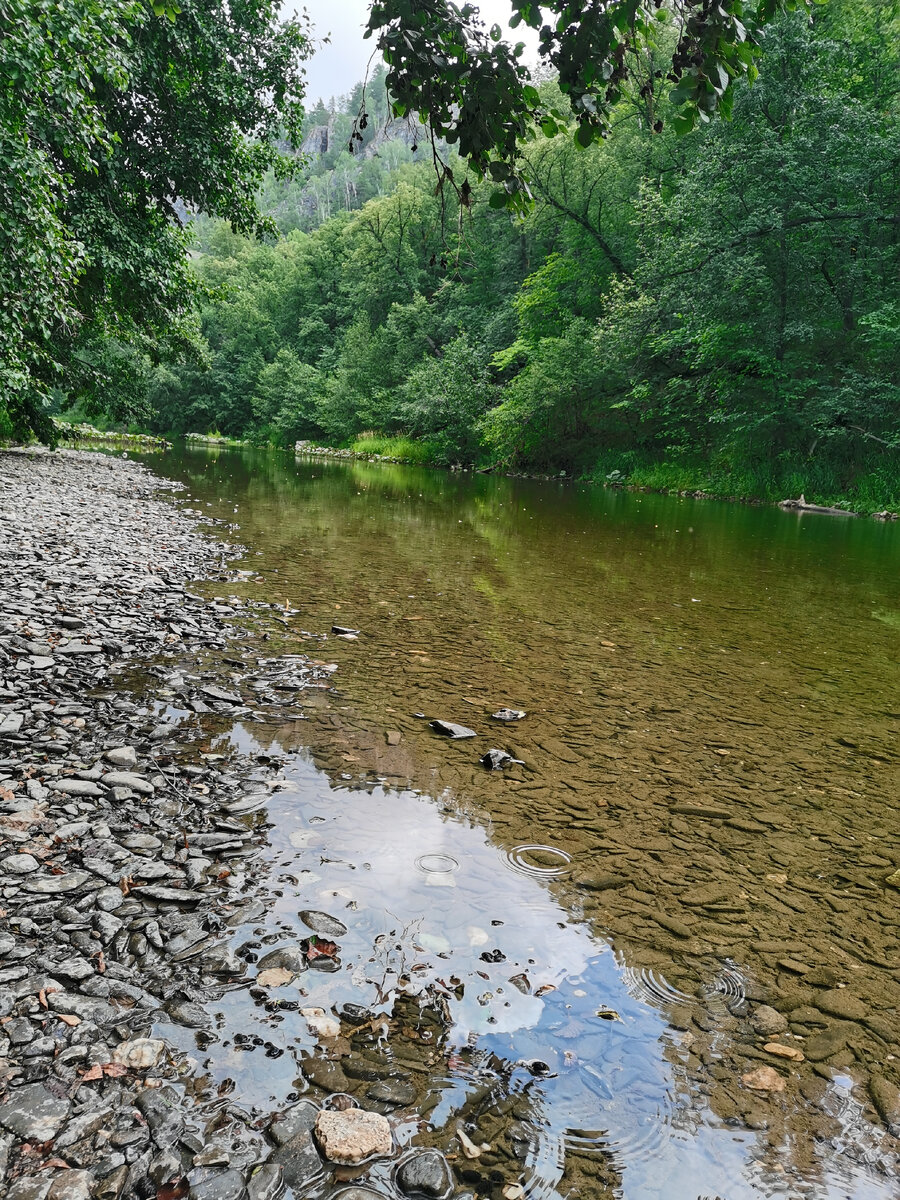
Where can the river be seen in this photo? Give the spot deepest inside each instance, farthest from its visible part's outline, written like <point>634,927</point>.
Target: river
<point>701,821</point>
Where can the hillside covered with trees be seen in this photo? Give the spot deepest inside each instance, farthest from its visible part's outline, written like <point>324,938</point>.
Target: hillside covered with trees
<point>694,285</point>
<point>726,303</point>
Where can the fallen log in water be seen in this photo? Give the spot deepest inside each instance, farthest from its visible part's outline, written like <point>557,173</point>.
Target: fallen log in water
<point>801,506</point>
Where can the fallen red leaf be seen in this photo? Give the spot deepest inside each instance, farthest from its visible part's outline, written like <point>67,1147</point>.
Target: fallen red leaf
<point>112,1070</point>
<point>317,948</point>
<point>54,1162</point>
<point>173,1191</point>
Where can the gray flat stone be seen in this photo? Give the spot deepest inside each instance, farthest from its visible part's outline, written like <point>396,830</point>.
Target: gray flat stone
<point>359,1193</point>
<point>124,757</point>
<point>210,1184</point>
<point>32,1187</point>
<point>71,1185</point>
<point>266,1183</point>
<point>19,864</point>
<point>75,787</point>
<point>299,1118</point>
<point>128,779</point>
<point>425,1174</point>
<point>300,1161</point>
<point>54,885</point>
<point>30,1112</point>
<point>291,958</point>
<point>323,923</point>
<point>451,730</point>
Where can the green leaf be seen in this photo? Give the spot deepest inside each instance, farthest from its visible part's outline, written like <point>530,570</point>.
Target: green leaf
<point>683,122</point>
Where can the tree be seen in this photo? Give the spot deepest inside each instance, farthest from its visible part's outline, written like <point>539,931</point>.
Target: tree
<point>117,116</point>
<point>476,92</point>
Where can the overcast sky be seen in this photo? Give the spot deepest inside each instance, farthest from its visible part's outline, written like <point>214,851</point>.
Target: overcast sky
<point>335,68</point>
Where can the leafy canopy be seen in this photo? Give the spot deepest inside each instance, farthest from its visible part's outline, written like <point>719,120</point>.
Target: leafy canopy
<point>115,117</point>
<point>476,92</point>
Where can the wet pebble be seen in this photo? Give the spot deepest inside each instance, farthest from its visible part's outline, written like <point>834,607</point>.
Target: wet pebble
<point>425,1174</point>
<point>323,924</point>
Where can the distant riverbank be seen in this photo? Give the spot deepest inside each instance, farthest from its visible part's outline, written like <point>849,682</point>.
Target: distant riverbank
<point>674,479</point>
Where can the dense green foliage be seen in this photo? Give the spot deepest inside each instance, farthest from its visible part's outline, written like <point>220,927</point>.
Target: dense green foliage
<point>477,94</point>
<point>114,116</point>
<point>726,302</point>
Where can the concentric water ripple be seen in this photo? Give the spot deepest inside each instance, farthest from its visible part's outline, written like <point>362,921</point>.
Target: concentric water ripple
<point>520,859</point>
<point>652,987</point>
<point>437,864</point>
<point>731,985</point>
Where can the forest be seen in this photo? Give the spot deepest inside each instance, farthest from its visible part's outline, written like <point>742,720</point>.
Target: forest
<point>715,308</point>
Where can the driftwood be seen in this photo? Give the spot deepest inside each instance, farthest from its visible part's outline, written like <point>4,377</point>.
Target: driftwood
<point>801,506</point>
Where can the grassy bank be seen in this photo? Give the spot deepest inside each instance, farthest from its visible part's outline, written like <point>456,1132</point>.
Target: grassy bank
<point>407,449</point>
<point>867,487</point>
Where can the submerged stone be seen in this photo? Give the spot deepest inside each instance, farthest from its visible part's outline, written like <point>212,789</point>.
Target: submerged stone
<point>322,923</point>
<point>451,730</point>
<point>426,1174</point>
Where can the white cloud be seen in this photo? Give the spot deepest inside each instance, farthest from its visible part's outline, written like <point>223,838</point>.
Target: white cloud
<point>336,67</point>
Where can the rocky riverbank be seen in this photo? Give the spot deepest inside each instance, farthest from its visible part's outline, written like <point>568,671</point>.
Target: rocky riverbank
<point>80,432</point>
<point>127,861</point>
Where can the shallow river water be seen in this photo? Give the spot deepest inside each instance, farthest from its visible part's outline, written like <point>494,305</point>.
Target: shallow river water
<point>702,821</point>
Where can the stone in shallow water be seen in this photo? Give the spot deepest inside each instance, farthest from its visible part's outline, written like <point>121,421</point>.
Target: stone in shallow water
<point>353,1136</point>
<point>299,1160</point>
<point>322,923</point>
<point>838,1002</point>
<point>822,1045</point>
<point>321,1024</point>
<point>766,1021</point>
<point>496,760</point>
<point>221,960</point>
<point>392,1091</point>
<point>359,1193</point>
<point>217,693</point>
<point>289,958</point>
<point>301,1117</point>
<point>31,1112</point>
<point>207,1183</point>
<point>266,1183</point>
<point>426,1174</point>
<point>189,1014</point>
<point>170,895</point>
<point>451,730</point>
<point>886,1098</point>
<point>764,1079</point>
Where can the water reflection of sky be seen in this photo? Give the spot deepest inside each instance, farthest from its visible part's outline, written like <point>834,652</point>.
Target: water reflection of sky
<point>613,1085</point>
